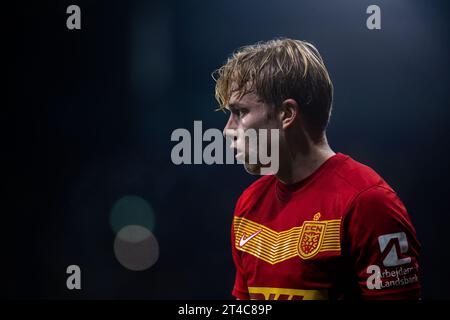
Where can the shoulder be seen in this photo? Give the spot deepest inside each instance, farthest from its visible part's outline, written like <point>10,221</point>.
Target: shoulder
<point>378,210</point>
<point>376,195</point>
<point>358,177</point>
<point>380,199</point>
<point>368,189</point>
<point>371,197</point>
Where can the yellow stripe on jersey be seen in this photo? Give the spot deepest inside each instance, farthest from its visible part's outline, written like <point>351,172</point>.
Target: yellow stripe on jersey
<point>274,247</point>
<point>266,293</point>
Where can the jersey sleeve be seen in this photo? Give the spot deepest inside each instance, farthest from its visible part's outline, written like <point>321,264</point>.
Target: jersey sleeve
<point>240,290</point>
<point>382,246</point>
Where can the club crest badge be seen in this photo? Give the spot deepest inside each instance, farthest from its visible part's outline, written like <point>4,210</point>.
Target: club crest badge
<point>311,237</point>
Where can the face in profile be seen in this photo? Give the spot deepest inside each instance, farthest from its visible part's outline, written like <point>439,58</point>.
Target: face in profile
<point>246,113</point>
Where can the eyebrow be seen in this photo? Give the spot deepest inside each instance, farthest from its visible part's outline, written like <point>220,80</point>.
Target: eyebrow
<point>235,105</point>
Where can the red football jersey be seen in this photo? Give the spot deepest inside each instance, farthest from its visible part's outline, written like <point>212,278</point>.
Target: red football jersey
<point>340,233</point>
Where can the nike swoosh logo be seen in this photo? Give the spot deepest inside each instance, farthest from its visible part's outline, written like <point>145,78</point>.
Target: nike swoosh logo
<point>244,240</point>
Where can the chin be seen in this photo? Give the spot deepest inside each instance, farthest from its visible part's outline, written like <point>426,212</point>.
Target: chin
<point>253,169</point>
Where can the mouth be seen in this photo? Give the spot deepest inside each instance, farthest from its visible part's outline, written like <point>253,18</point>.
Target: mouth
<point>239,153</point>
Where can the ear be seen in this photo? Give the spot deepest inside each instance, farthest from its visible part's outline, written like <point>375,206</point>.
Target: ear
<point>289,112</point>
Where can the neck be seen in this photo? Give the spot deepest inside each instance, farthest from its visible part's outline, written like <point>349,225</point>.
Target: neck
<point>297,163</point>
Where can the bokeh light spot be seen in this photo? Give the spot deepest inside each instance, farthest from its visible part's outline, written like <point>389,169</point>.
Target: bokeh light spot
<point>132,210</point>
<point>136,248</point>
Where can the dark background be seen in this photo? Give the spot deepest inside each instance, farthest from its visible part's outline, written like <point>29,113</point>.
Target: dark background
<point>90,113</point>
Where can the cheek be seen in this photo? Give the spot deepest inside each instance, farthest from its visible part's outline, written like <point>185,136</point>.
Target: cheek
<point>254,121</point>
<point>261,118</point>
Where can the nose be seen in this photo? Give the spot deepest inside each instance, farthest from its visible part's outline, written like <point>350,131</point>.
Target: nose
<point>231,125</point>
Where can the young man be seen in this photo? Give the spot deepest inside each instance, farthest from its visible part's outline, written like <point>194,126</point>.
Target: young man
<point>324,226</point>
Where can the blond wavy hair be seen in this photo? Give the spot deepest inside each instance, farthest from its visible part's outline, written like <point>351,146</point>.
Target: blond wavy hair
<point>276,70</point>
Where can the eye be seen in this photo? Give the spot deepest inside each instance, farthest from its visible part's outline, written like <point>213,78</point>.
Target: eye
<point>238,111</point>
<point>241,112</point>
